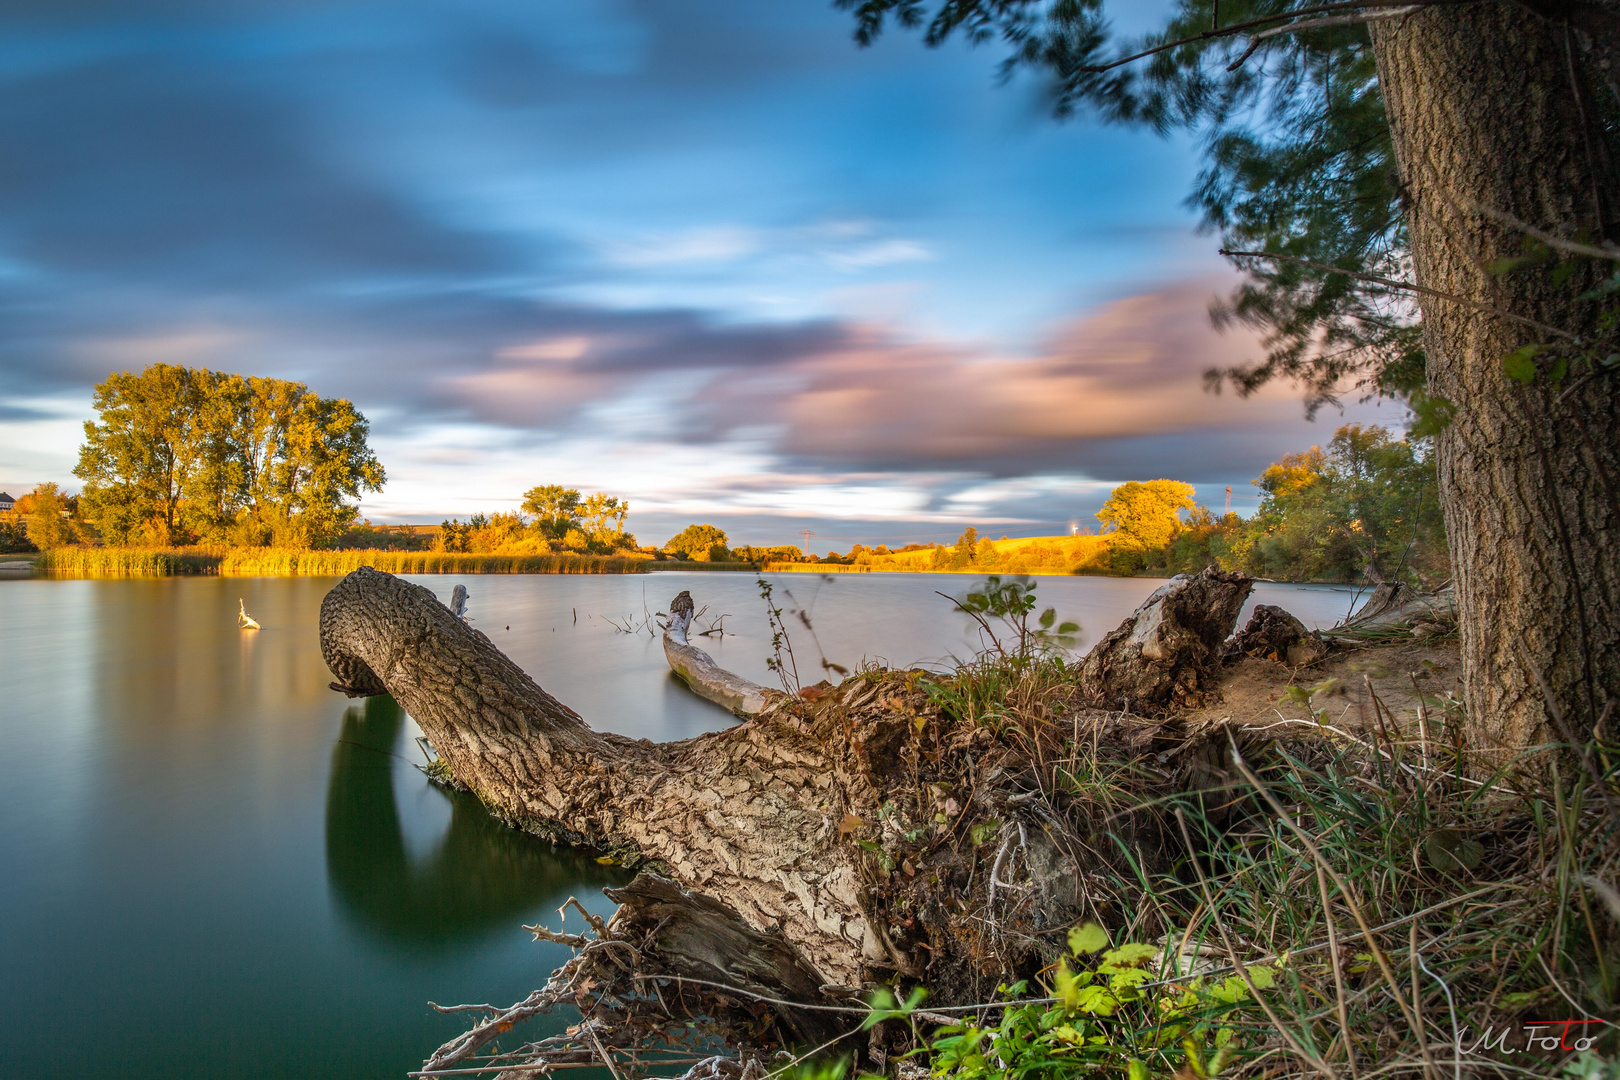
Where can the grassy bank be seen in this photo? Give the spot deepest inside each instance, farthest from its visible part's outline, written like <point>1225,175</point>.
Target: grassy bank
<point>1359,900</point>
<point>274,561</point>
<point>1025,555</point>
<point>270,562</point>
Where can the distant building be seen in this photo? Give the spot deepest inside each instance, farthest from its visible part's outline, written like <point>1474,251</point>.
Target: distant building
<point>6,503</point>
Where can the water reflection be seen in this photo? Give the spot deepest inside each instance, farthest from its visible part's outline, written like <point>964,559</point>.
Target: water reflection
<point>481,876</point>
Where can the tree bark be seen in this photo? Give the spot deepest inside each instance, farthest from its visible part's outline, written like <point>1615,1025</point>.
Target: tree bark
<point>836,834</point>
<point>750,814</point>
<point>1491,114</point>
<point>1274,634</point>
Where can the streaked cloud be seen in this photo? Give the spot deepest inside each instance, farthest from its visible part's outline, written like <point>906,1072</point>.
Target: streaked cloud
<point>704,253</point>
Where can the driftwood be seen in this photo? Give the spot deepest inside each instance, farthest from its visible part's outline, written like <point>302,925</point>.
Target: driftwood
<point>818,846</point>
<point>1168,652</point>
<point>1395,606</point>
<point>698,670</point>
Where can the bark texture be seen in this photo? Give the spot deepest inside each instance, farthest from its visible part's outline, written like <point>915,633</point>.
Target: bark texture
<point>837,835</point>
<point>1166,654</point>
<point>1490,107</point>
<point>748,814</point>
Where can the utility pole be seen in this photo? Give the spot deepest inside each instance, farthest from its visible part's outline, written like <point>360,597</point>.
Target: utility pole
<point>807,534</point>
<point>1228,499</point>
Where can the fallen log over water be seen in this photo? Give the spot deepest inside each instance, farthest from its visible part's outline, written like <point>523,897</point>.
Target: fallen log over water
<point>698,670</point>
<point>820,845</point>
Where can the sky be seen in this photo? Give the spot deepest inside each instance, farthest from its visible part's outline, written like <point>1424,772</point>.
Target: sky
<point>708,256</point>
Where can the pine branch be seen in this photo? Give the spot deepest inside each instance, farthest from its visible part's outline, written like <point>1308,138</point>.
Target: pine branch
<point>1422,290</point>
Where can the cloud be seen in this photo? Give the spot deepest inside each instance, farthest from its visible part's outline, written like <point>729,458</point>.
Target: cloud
<point>711,245</point>
<point>884,253</point>
<point>1121,388</point>
<point>529,241</point>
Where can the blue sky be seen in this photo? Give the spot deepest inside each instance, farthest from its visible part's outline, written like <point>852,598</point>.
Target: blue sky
<point>709,256</point>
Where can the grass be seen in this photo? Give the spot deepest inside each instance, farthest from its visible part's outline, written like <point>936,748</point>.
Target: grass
<point>128,562</point>
<point>1486,889</point>
<point>265,562</point>
<point>278,561</point>
<point>1026,555</point>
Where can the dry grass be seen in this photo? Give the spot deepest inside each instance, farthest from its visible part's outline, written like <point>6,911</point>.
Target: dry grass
<point>128,561</point>
<point>269,562</point>
<point>1487,890</point>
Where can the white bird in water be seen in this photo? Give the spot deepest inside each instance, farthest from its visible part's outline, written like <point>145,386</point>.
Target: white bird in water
<point>243,620</point>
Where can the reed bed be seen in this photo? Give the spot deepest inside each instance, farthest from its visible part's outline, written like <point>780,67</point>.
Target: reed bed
<point>128,561</point>
<point>274,562</point>
<point>265,562</point>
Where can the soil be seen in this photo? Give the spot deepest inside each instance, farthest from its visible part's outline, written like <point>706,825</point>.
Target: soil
<point>1254,691</point>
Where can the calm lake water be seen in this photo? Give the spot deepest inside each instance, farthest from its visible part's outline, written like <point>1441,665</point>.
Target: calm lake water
<point>211,865</point>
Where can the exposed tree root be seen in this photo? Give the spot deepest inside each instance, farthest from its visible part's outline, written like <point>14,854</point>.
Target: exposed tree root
<point>888,832</point>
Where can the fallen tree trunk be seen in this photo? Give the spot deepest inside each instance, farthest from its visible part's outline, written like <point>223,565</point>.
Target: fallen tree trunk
<point>750,814</point>
<point>1394,607</point>
<point>698,670</point>
<point>817,845</point>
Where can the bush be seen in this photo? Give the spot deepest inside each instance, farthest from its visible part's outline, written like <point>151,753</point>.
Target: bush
<point>14,538</point>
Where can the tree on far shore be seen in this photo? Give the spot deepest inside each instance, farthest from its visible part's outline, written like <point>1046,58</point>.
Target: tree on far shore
<point>187,454</point>
<point>1144,517</point>
<point>555,508</point>
<point>699,542</point>
<point>50,518</point>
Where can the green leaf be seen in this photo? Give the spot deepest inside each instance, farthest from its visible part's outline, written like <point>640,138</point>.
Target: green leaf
<point>1129,978</point>
<point>1519,999</point>
<point>1136,1070</point>
<point>1068,987</point>
<point>1520,364</point>
<point>1096,1000</point>
<point>1089,938</point>
<point>1262,976</point>
<point>1048,617</point>
<point>1069,628</point>
<point>1448,849</point>
<point>1131,954</point>
<point>881,1008</point>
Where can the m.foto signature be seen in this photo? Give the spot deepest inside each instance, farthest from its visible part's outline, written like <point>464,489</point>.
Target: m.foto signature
<point>1543,1035</point>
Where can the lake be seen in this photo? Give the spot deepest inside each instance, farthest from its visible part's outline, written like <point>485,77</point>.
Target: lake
<point>215,866</point>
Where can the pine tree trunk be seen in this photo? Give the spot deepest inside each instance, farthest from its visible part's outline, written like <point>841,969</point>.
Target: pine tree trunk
<point>1485,113</point>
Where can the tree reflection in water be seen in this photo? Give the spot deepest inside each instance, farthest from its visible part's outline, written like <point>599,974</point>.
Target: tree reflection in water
<point>481,875</point>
